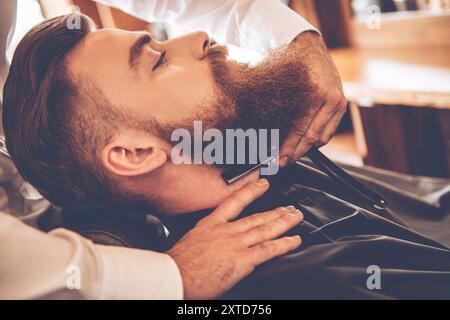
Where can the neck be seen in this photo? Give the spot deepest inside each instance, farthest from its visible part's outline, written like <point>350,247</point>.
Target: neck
<point>178,189</point>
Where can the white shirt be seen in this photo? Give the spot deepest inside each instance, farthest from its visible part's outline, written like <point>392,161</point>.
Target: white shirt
<point>259,25</point>
<point>38,265</point>
<point>64,265</point>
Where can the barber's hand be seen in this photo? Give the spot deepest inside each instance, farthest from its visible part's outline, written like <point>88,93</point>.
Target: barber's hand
<point>218,252</point>
<point>323,118</point>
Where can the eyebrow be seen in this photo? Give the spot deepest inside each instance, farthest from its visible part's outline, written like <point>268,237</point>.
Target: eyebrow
<point>136,49</point>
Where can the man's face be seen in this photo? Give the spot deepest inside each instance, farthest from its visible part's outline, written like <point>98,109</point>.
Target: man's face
<point>193,82</point>
<point>130,69</point>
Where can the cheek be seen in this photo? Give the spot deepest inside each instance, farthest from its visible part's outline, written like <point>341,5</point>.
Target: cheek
<point>183,91</point>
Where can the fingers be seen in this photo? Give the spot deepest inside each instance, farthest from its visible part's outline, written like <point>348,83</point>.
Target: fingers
<point>314,132</point>
<point>293,138</point>
<point>273,229</point>
<point>288,148</point>
<point>271,249</point>
<point>334,122</point>
<point>260,218</point>
<point>231,207</point>
<point>319,131</point>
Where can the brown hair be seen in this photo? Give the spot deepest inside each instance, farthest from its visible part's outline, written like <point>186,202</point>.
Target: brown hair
<point>51,130</point>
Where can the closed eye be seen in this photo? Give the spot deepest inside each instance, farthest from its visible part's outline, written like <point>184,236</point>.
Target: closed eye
<point>161,60</point>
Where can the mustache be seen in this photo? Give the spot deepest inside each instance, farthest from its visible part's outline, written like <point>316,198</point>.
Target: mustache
<point>216,53</point>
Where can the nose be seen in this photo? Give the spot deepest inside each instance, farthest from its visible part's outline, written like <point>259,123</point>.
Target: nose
<point>195,45</point>
<point>198,42</point>
<point>202,46</point>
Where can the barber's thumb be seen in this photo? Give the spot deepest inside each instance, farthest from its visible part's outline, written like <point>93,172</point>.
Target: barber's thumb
<point>232,206</point>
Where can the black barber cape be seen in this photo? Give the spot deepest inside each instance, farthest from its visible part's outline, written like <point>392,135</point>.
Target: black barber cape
<point>351,250</point>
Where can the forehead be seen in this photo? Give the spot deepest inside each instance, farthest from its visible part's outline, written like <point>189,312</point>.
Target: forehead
<point>100,50</point>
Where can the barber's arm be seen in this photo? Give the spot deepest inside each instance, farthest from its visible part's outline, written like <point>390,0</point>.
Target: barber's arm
<point>64,265</point>
<point>35,265</point>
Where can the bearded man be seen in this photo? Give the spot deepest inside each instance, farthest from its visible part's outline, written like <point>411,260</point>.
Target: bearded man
<point>88,116</point>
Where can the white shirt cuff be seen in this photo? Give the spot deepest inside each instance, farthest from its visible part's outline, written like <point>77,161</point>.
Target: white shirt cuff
<point>138,274</point>
<point>270,24</point>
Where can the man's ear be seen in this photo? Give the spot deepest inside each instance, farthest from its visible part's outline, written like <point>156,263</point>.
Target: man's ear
<point>131,153</point>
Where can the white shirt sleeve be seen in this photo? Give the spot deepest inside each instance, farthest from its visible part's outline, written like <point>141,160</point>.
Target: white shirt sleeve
<point>259,25</point>
<point>64,265</point>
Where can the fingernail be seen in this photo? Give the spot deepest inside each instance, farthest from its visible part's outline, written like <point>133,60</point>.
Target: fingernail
<point>262,182</point>
<point>297,237</point>
<point>296,213</point>
<point>283,161</point>
<point>290,208</point>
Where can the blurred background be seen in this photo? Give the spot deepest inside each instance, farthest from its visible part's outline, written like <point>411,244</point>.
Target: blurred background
<point>394,60</point>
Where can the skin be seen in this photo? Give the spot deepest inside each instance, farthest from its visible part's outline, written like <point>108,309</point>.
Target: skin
<point>171,92</point>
